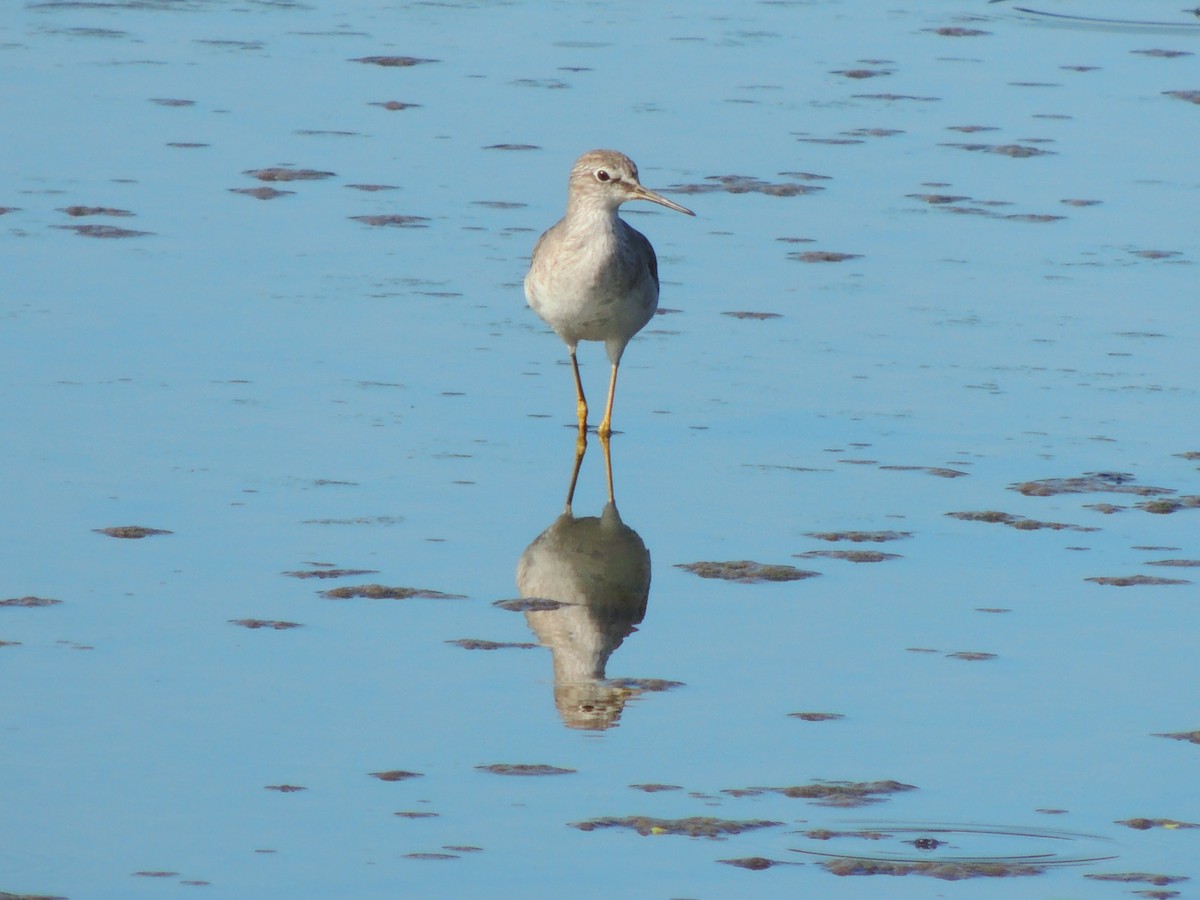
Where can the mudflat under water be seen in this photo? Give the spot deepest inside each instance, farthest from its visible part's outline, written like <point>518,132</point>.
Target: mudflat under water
<point>901,575</point>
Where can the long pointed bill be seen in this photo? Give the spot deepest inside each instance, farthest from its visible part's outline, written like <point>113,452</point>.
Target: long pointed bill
<point>644,193</point>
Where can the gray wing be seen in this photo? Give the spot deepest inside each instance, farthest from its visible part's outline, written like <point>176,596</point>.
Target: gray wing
<point>644,244</point>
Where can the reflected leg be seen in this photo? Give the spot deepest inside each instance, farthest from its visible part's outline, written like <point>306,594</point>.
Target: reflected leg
<point>580,449</point>
<point>608,467</point>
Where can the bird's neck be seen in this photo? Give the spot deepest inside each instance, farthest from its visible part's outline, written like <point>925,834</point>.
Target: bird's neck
<point>585,214</point>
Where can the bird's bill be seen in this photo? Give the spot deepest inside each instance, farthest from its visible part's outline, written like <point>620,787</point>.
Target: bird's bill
<point>644,193</point>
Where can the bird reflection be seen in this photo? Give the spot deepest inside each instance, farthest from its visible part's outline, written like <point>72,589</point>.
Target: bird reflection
<point>598,568</point>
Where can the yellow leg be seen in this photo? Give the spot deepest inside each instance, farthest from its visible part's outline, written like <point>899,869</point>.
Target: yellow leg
<point>605,428</point>
<point>608,467</point>
<point>580,401</point>
<point>580,449</point>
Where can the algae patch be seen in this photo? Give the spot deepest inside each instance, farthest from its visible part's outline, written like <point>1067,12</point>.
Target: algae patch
<point>746,571</point>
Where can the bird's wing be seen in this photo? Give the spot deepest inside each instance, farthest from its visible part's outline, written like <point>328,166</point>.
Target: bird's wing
<point>645,244</point>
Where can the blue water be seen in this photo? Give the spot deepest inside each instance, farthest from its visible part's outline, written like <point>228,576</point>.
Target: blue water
<point>284,389</point>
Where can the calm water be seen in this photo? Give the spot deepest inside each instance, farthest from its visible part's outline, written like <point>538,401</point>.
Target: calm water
<point>1004,292</point>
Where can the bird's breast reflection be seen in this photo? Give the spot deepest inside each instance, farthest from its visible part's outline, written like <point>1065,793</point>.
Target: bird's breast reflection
<point>598,569</point>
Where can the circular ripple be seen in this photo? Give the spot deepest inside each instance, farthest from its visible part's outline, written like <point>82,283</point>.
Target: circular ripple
<point>955,844</point>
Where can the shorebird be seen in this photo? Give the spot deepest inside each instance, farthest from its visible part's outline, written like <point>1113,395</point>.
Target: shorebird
<point>593,277</point>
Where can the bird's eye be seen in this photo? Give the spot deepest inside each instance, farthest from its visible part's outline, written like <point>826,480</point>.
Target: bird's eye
<point>602,175</point>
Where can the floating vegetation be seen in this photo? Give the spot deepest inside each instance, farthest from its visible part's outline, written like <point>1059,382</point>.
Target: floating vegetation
<point>754,863</point>
<point>103,231</point>
<point>524,769</point>
<point>393,221</point>
<point>361,520</point>
<point>276,624</point>
<point>477,644</point>
<point>1032,217</point>
<point>844,794</point>
<point>395,105</point>
<point>746,184</point>
<point>824,834</point>
<point>971,655</point>
<point>854,556</point>
<point>746,571</point>
<point>1135,877</point>
<point>371,188</point>
<point>874,132</point>
<point>499,204</point>
<point>530,604</point>
<point>644,685</point>
<point>285,788</point>
<point>947,871</point>
<point>395,775</point>
<point>282,173</point>
<point>29,602</point>
<point>938,471</point>
<point>261,193</point>
<point>330,573</point>
<point>393,62</point>
<point>1189,96</point>
<point>896,97</point>
<point>937,199</point>
<point>1147,824</point>
<point>656,788</point>
<point>1088,483</point>
<point>169,101</point>
<point>957,31</point>
<point>1192,737</point>
<point>859,537</point>
<point>381,592</point>
<point>693,826</point>
<point>130,532</point>
<point>434,856</point>
<point>416,815</point>
<point>862,73</point>
<point>766,466</point>
<point>512,147</point>
<point>1134,580</point>
<point>743,314</point>
<point>1014,151</point>
<point>1166,507</point>
<point>1019,522</point>
<point>822,256</point>
<point>816,716</point>
<point>553,84</point>
<point>77,211</point>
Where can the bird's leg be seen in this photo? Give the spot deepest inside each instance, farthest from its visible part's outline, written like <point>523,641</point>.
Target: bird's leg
<point>580,400</point>
<point>605,428</point>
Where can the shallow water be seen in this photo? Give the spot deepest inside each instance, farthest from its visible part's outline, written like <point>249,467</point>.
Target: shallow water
<point>285,389</point>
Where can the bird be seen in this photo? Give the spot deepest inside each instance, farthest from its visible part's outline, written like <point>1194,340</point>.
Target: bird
<point>593,277</point>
